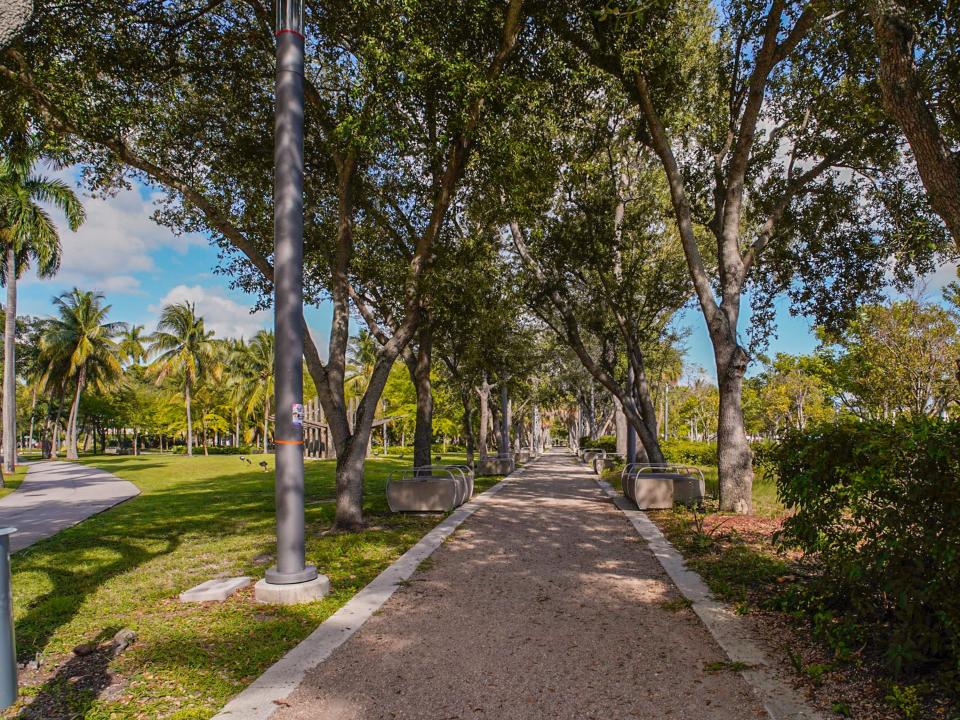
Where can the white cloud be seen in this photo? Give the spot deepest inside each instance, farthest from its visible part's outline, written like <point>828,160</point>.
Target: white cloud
<point>223,315</point>
<point>116,243</point>
<point>946,273</point>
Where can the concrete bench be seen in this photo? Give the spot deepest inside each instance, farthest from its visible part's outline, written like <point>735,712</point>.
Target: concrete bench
<point>463,474</point>
<point>500,465</point>
<point>657,486</point>
<point>527,454</point>
<point>589,454</point>
<point>427,489</point>
<point>605,461</point>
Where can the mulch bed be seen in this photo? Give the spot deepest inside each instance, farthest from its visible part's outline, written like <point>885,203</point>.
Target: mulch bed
<point>857,688</point>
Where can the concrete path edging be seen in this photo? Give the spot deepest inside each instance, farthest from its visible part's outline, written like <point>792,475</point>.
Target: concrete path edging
<point>259,700</point>
<point>731,632</point>
<point>56,495</point>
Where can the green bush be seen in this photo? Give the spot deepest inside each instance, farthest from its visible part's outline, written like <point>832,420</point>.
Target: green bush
<point>214,450</point>
<point>878,504</point>
<point>691,452</point>
<point>239,450</point>
<point>604,442</point>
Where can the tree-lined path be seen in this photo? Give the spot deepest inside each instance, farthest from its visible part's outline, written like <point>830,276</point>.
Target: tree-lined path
<point>544,604</point>
<point>58,495</point>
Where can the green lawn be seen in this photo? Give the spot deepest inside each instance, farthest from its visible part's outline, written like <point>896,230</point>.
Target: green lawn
<point>197,518</point>
<point>12,482</point>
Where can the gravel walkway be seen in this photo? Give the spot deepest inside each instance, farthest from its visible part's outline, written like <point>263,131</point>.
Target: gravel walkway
<point>544,604</point>
<point>56,495</point>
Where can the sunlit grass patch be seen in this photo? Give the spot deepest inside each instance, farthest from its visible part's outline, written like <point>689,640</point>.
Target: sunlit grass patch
<point>196,518</point>
<point>12,481</point>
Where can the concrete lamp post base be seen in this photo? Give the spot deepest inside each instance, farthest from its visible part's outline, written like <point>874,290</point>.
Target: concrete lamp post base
<point>293,593</point>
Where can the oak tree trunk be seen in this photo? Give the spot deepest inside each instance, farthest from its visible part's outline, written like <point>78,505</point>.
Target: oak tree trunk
<point>466,398</point>
<point>420,374</point>
<point>734,456</point>
<point>484,392</point>
<point>907,101</point>
<point>350,463</point>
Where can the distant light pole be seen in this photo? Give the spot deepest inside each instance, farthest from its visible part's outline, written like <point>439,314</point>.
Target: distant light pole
<point>291,570</point>
<point>631,431</point>
<point>504,421</point>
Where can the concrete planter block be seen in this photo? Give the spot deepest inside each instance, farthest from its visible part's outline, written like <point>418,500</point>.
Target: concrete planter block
<point>216,590</point>
<point>495,466</point>
<point>430,494</point>
<point>603,463</point>
<point>590,454</point>
<point>688,490</point>
<point>652,493</point>
<point>295,594</point>
<point>686,483</point>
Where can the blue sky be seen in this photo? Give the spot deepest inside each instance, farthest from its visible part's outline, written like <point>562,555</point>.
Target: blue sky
<point>140,266</point>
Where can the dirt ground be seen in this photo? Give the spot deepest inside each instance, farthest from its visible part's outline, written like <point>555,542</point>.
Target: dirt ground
<point>545,604</point>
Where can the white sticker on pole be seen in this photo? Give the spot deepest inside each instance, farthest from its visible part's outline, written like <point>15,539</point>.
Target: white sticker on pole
<point>297,415</point>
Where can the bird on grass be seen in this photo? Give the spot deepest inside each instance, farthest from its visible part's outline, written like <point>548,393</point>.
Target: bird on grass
<point>263,465</point>
<point>246,460</point>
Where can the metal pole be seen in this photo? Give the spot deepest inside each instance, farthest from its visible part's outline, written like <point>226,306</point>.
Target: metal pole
<point>8,646</point>
<point>288,299</point>
<point>631,431</point>
<point>504,420</point>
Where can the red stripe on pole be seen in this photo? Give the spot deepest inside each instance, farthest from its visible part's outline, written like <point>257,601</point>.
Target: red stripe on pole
<point>288,442</point>
<point>278,33</point>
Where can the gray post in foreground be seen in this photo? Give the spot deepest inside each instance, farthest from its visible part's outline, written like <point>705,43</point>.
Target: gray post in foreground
<point>291,580</point>
<point>8,647</point>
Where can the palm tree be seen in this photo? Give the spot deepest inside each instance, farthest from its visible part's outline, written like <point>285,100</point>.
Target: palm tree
<point>184,348</point>
<point>132,349</point>
<point>233,351</point>
<point>78,347</point>
<point>27,233</point>
<point>256,368</point>
<point>361,357</point>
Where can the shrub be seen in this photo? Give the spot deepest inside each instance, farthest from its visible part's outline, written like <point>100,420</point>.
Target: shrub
<point>239,450</point>
<point>603,442</point>
<point>214,450</point>
<point>878,504</point>
<point>690,452</point>
<point>606,442</point>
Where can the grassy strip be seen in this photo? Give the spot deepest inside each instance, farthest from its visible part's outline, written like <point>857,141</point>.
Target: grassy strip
<point>12,482</point>
<point>734,567</point>
<point>197,518</point>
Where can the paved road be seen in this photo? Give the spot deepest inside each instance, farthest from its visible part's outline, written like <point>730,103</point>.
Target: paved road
<point>56,495</point>
<point>545,604</point>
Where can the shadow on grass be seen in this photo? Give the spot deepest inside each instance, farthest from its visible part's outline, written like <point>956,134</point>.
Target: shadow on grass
<point>53,578</point>
<point>77,684</point>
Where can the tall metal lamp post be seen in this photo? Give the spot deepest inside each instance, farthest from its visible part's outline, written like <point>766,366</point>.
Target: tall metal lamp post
<point>291,580</point>
<point>631,432</point>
